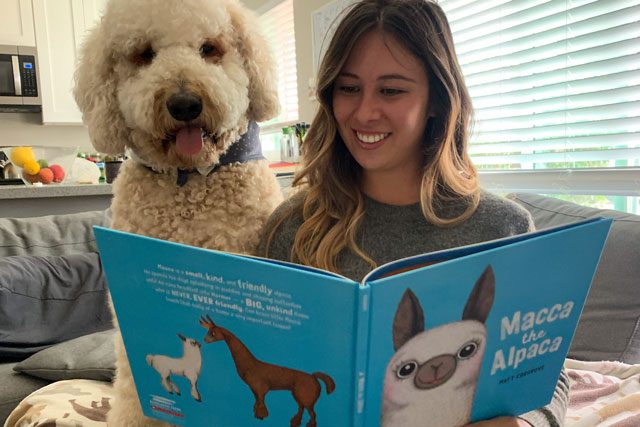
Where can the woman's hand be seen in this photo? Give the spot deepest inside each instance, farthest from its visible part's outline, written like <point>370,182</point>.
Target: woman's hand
<point>501,422</point>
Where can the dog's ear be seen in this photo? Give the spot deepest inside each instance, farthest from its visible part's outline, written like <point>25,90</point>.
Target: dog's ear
<point>95,92</point>
<point>258,61</point>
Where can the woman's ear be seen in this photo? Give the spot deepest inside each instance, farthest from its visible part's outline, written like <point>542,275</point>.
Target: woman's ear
<point>258,62</point>
<point>95,92</point>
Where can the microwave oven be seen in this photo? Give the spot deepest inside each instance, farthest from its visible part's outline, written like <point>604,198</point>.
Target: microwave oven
<point>19,78</point>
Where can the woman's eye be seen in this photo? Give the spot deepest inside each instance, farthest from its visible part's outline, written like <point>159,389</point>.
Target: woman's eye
<point>348,89</point>
<point>391,92</point>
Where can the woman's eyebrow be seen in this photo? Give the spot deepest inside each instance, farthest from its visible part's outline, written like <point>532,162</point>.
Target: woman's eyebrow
<point>396,77</point>
<point>383,77</point>
<point>347,74</point>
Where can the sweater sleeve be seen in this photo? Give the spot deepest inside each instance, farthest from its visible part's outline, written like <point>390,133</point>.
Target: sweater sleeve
<point>553,414</point>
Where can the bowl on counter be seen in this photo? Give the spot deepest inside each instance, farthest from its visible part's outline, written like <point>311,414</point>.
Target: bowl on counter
<point>40,165</point>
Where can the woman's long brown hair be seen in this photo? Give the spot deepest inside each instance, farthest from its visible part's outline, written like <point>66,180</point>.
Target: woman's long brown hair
<point>333,205</point>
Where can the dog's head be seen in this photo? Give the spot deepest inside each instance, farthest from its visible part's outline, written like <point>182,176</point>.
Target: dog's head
<point>177,81</point>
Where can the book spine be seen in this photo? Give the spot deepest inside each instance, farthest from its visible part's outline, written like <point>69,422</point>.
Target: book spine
<point>361,354</point>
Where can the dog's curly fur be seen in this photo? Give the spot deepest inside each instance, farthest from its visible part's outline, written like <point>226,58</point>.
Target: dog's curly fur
<point>141,54</point>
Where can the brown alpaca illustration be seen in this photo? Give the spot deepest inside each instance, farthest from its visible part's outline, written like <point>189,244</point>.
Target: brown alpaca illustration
<point>262,377</point>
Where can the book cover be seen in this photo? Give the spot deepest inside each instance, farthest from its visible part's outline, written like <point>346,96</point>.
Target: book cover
<point>223,339</point>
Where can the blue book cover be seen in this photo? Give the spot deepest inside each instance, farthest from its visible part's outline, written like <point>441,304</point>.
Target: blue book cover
<point>455,336</point>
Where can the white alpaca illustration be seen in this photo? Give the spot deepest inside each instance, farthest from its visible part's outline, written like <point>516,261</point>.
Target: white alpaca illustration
<point>431,379</point>
<point>187,366</point>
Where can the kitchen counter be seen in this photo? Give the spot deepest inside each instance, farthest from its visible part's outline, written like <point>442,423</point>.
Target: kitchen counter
<point>30,191</point>
<point>19,201</point>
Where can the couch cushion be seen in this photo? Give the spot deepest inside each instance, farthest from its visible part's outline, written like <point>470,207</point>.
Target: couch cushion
<point>51,235</point>
<point>90,357</point>
<point>47,300</point>
<point>14,387</point>
<point>609,328</point>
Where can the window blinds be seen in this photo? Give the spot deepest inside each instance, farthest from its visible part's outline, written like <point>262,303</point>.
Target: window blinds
<point>277,26</point>
<point>555,83</point>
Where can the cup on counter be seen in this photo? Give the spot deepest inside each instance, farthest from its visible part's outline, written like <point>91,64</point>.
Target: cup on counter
<point>111,169</point>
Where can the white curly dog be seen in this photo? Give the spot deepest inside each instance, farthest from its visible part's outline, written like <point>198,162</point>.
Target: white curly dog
<point>180,85</point>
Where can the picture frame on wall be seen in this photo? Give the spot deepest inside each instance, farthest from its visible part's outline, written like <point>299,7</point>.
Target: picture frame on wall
<point>324,23</point>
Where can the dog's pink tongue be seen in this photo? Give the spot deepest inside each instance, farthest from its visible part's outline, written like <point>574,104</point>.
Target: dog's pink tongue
<point>189,140</point>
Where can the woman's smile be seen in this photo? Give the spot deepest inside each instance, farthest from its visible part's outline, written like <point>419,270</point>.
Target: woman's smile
<point>371,140</point>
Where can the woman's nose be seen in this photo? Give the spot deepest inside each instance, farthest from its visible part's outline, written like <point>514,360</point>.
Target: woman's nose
<point>368,108</point>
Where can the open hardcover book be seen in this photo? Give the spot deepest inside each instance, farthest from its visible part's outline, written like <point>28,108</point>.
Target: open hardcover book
<point>463,334</point>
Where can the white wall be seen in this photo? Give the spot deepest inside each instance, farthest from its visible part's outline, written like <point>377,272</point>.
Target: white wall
<point>255,4</point>
<point>302,10</point>
<point>27,129</point>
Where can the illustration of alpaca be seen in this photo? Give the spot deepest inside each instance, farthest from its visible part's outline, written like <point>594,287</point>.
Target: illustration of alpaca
<point>263,377</point>
<point>433,373</point>
<point>187,366</point>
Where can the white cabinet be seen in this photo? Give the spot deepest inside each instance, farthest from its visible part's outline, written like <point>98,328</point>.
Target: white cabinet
<point>60,26</point>
<point>16,23</point>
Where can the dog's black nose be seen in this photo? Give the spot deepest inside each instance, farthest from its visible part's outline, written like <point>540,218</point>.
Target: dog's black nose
<point>184,106</point>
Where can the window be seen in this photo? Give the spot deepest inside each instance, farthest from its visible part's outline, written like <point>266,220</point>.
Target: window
<point>556,91</point>
<point>277,26</point>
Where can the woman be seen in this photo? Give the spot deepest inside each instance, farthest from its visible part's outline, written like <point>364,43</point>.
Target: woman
<point>386,170</point>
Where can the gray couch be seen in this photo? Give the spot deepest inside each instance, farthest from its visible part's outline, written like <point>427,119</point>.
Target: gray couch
<point>54,317</point>
<point>52,337</point>
<point>609,327</point>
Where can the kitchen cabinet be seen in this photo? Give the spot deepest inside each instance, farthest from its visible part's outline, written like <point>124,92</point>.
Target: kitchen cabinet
<point>60,26</point>
<point>16,23</point>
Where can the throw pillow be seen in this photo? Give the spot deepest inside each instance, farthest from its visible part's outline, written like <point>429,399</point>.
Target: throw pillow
<point>90,357</point>
<point>47,300</point>
<point>52,234</point>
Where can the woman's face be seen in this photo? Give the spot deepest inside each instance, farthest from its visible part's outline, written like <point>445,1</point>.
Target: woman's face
<point>381,105</point>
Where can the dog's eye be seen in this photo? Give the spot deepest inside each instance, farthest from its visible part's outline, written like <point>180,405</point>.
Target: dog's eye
<point>145,56</point>
<point>209,50</point>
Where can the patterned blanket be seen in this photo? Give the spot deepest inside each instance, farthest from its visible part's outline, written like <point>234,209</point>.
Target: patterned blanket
<point>72,403</point>
<point>603,394</point>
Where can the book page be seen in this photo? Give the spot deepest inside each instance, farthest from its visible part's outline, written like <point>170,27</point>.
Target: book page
<point>238,323</point>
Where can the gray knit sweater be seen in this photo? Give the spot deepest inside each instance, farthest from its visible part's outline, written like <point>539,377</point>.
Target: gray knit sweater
<point>391,232</point>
